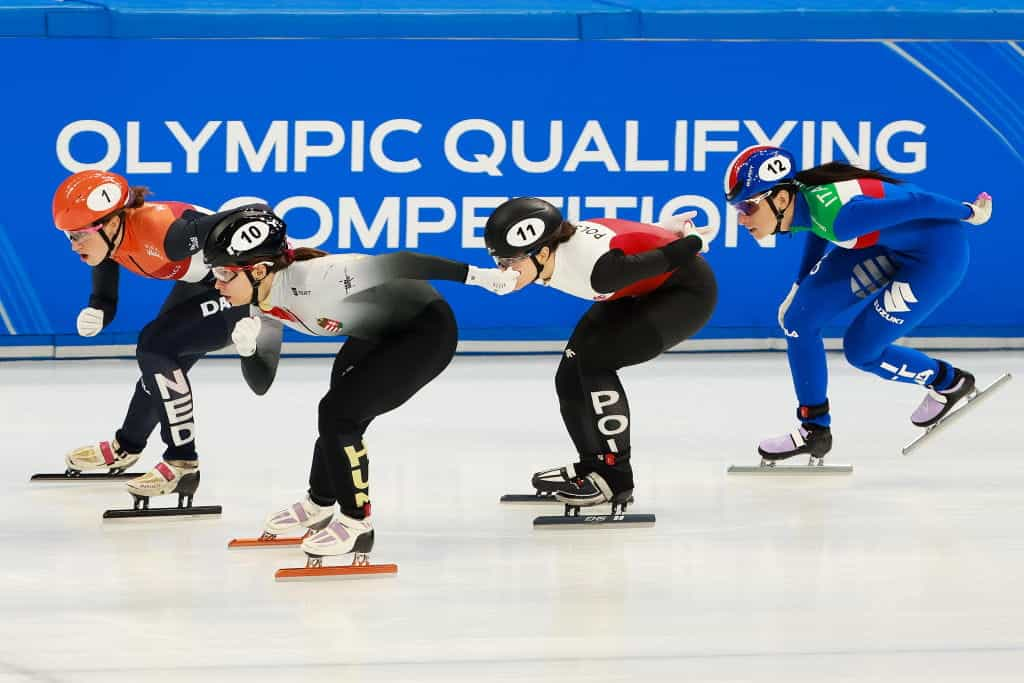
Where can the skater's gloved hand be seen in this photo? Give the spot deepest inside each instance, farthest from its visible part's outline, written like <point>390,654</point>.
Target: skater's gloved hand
<point>682,224</point>
<point>784,306</point>
<point>244,336</point>
<point>499,281</point>
<point>981,209</point>
<point>90,322</point>
<point>677,223</point>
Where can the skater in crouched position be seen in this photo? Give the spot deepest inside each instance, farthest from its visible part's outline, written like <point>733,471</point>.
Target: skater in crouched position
<point>872,240</point>
<point>401,335</point>
<point>651,289</point>
<point>111,225</point>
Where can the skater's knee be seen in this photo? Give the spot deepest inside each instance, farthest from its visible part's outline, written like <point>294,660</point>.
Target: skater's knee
<point>862,356</point>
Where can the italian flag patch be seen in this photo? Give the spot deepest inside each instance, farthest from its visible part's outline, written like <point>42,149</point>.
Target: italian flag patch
<point>825,201</point>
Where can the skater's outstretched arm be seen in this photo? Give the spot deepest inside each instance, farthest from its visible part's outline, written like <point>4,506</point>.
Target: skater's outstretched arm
<point>187,235</point>
<point>365,273</point>
<point>901,204</point>
<point>616,269</point>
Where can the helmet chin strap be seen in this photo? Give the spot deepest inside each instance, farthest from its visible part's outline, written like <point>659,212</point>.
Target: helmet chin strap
<point>779,215</point>
<point>537,264</point>
<point>254,301</point>
<point>112,242</point>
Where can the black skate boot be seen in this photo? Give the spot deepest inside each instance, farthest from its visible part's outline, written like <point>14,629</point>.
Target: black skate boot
<point>810,439</point>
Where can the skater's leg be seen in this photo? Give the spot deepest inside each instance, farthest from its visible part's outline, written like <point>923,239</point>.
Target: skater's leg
<point>385,377</point>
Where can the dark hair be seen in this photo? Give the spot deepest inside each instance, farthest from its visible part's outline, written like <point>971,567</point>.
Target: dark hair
<point>282,261</point>
<point>565,232</point>
<point>837,171</point>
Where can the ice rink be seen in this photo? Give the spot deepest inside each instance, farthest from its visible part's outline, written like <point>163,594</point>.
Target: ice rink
<point>908,570</point>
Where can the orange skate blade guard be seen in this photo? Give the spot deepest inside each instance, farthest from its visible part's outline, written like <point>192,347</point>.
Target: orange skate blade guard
<point>342,571</point>
<point>263,543</point>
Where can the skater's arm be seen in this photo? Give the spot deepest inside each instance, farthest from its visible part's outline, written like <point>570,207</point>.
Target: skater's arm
<point>814,249</point>
<point>901,204</point>
<point>616,269</point>
<point>260,368</point>
<point>187,234</point>
<point>106,278</point>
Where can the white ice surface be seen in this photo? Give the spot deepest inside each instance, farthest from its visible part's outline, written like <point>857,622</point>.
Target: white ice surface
<point>911,569</point>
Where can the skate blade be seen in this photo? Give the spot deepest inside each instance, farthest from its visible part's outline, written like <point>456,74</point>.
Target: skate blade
<point>617,520</point>
<point>340,572</point>
<point>194,511</point>
<point>264,543</point>
<point>809,470</point>
<point>528,498</point>
<point>537,499</point>
<point>976,399</point>
<point>93,477</point>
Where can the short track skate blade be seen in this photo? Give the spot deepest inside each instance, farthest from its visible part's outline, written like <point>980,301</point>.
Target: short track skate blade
<point>982,393</point>
<point>618,520</point>
<point>788,470</point>
<point>93,477</point>
<point>264,543</point>
<point>194,511</point>
<point>340,572</point>
<point>529,498</point>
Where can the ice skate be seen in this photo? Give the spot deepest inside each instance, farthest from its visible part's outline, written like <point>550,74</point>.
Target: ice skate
<point>304,514</point>
<point>171,476</point>
<point>812,440</point>
<point>939,408</point>
<point>341,536</point>
<point>105,460</point>
<point>547,482</point>
<point>592,489</point>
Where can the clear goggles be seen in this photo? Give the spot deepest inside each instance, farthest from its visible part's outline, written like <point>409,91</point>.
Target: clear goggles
<point>226,274</point>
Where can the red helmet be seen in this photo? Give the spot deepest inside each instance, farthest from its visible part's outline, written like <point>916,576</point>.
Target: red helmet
<point>87,197</point>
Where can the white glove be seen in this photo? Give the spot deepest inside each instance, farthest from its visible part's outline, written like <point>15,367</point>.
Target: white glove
<point>981,209</point>
<point>244,336</point>
<point>678,222</point>
<point>499,281</point>
<point>90,322</point>
<point>784,306</point>
<point>682,224</point>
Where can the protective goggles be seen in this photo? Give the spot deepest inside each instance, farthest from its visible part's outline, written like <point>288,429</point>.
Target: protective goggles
<point>226,274</point>
<point>748,207</point>
<point>78,235</point>
<point>509,261</point>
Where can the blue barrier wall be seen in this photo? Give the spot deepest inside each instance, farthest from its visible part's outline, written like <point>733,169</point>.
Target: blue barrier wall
<point>389,143</point>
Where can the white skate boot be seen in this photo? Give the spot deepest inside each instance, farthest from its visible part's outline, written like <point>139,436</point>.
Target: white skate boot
<point>169,476</point>
<point>305,514</point>
<point>105,455</point>
<point>341,536</point>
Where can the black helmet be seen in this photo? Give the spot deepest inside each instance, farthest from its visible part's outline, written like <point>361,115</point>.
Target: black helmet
<point>521,227</point>
<point>245,235</point>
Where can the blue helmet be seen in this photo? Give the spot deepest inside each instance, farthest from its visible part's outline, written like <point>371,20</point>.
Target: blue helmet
<point>756,170</point>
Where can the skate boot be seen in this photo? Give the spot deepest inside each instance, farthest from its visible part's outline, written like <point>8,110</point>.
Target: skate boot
<point>548,482</point>
<point>305,514</point>
<point>811,439</point>
<point>169,476</point>
<point>106,455</point>
<point>938,404</point>
<point>343,535</point>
